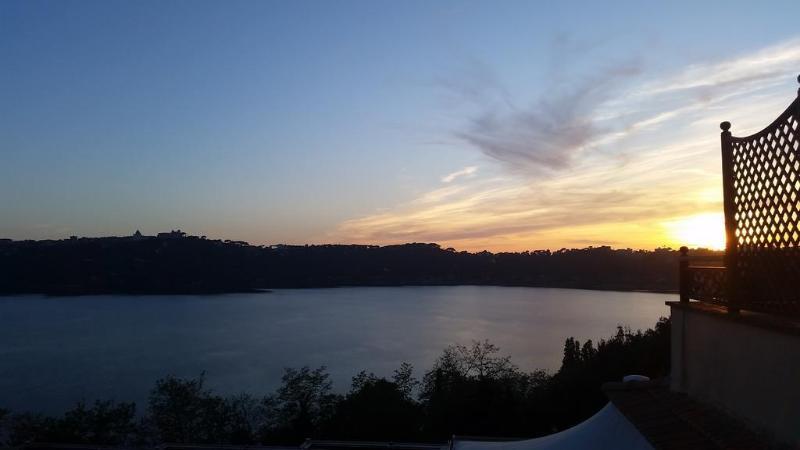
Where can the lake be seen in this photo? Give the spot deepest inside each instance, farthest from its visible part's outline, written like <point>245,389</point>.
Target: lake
<point>55,351</point>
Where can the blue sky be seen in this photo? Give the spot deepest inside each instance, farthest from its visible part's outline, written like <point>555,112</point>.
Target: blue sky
<point>341,121</point>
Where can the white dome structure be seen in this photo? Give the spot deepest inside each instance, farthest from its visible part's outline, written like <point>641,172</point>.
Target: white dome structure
<point>608,429</point>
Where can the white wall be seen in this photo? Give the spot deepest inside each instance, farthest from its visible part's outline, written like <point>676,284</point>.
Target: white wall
<point>751,371</point>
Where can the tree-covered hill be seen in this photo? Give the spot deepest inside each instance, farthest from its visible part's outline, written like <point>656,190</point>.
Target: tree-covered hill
<point>174,263</point>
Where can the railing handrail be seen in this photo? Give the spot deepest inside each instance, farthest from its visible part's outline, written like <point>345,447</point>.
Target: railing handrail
<point>703,283</point>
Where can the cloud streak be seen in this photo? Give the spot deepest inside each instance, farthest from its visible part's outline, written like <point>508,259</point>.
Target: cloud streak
<point>611,161</point>
<point>552,132</point>
<point>465,172</point>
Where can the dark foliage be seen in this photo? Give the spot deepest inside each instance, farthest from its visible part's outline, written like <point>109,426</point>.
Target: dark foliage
<point>186,264</point>
<point>185,411</point>
<point>379,409</point>
<point>573,391</point>
<point>104,423</point>
<point>300,407</point>
<point>469,390</point>
<point>473,391</point>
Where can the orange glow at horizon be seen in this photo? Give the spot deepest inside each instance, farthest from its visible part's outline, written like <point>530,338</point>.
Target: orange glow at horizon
<point>705,230</point>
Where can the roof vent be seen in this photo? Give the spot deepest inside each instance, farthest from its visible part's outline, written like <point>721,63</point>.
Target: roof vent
<point>628,378</point>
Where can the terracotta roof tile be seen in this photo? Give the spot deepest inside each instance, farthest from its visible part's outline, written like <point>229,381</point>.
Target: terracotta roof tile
<point>672,420</point>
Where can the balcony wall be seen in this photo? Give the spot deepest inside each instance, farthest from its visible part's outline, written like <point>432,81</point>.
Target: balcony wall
<point>749,365</point>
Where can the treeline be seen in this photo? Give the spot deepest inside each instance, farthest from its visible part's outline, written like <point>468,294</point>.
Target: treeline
<point>470,390</point>
<point>197,265</point>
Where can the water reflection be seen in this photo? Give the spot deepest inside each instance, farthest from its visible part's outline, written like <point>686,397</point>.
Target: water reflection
<point>55,351</point>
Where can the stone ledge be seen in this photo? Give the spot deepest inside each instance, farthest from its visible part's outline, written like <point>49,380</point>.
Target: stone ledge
<point>787,325</point>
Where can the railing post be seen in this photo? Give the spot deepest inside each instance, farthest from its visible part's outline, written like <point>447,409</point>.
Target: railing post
<point>729,192</point>
<point>683,274</point>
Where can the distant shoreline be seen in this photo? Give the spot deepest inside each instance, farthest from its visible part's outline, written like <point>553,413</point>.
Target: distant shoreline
<point>176,264</point>
<point>270,290</point>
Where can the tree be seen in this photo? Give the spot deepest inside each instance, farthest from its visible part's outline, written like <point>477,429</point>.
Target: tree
<point>300,407</point>
<point>4,416</point>
<point>246,416</point>
<point>478,361</point>
<point>104,423</point>
<point>183,411</point>
<point>472,390</point>
<point>379,409</point>
<point>574,392</point>
<point>403,378</point>
<point>26,428</point>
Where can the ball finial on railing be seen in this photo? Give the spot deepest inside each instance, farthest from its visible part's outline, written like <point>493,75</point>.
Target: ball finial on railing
<point>725,126</point>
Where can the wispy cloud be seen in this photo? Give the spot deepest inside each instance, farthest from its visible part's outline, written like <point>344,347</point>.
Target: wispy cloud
<point>550,133</point>
<point>465,172</point>
<point>623,154</point>
<point>760,70</point>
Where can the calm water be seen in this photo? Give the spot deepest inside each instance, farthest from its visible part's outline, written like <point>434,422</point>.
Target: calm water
<point>55,351</point>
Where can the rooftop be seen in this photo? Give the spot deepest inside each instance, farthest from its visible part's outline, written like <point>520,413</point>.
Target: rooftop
<point>672,420</point>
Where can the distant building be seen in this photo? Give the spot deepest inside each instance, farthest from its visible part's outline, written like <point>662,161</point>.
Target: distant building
<point>174,234</point>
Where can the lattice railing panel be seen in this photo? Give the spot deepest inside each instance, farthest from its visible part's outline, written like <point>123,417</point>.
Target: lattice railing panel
<point>765,170</point>
<point>707,284</point>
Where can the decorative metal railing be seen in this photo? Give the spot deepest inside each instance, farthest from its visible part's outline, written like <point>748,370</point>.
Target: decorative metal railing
<point>761,185</point>
<point>708,284</point>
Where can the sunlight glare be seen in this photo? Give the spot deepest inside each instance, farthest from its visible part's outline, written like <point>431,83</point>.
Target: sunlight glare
<point>700,231</point>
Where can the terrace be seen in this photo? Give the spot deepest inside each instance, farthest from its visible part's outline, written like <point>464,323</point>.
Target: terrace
<point>736,328</point>
<point>761,185</point>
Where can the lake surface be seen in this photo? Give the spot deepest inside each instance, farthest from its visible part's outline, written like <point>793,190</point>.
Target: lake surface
<point>55,351</point>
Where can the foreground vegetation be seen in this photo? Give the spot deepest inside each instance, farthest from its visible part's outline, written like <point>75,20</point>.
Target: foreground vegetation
<point>470,390</point>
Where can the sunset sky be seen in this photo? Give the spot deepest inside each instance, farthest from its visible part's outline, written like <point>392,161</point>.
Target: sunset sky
<point>478,125</point>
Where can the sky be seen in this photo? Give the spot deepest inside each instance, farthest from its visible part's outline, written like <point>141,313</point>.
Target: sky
<point>496,125</point>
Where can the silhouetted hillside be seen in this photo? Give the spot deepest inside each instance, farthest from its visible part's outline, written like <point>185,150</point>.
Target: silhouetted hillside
<point>175,263</point>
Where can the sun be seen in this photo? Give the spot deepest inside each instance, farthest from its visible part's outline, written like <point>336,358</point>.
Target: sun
<point>701,230</point>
